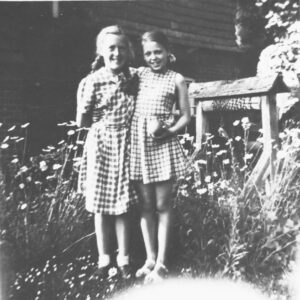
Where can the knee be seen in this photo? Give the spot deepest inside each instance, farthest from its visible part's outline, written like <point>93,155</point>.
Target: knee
<point>147,201</point>
<point>163,205</point>
<point>147,205</point>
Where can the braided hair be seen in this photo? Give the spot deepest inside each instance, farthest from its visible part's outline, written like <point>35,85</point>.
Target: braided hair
<point>97,63</point>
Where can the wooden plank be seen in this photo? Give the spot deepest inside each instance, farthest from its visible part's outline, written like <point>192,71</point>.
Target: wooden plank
<point>202,18</point>
<point>163,19</point>
<point>196,24</point>
<point>255,181</point>
<point>230,88</point>
<point>165,15</point>
<point>199,41</point>
<point>11,84</point>
<point>210,5</point>
<point>219,35</point>
<point>7,58</point>
<point>202,124</point>
<point>198,15</point>
<point>178,37</point>
<point>270,129</point>
<point>189,11</point>
<point>161,16</point>
<point>135,14</point>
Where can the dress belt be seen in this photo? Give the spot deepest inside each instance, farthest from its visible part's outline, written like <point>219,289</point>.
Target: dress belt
<point>110,126</point>
<point>137,114</point>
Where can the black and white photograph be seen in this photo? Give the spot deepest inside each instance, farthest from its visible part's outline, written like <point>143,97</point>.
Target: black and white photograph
<point>150,149</point>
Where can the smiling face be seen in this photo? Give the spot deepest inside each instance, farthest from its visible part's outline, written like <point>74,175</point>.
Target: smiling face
<point>115,52</point>
<point>155,55</point>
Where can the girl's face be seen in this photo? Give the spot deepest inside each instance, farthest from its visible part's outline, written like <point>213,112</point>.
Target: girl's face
<point>115,52</point>
<point>156,56</point>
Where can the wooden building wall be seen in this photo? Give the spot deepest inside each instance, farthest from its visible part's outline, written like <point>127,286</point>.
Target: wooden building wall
<point>42,58</point>
<point>193,23</point>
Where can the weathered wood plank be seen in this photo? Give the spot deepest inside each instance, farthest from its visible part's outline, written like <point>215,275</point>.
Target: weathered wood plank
<point>270,129</point>
<point>265,166</point>
<point>219,35</point>
<point>202,13</point>
<point>13,84</point>
<point>134,13</point>
<point>225,6</point>
<point>196,24</point>
<point>108,13</point>
<point>255,181</point>
<point>202,124</point>
<point>193,16</point>
<point>178,37</point>
<point>196,27</point>
<point>230,88</point>
<point>191,11</point>
<point>165,17</point>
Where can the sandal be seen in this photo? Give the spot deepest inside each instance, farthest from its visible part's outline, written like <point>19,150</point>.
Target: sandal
<point>146,269</point>
<point>159,272</point>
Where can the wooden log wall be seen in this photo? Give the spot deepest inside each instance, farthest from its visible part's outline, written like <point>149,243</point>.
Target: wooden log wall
<point>205,23</point>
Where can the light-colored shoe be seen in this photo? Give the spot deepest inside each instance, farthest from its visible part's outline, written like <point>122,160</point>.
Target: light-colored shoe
<point>146,269</point>
<point>159,272</point>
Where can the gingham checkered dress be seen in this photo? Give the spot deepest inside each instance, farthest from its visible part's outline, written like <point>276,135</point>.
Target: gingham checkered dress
<point>152,160</point>
<point>104,172</point>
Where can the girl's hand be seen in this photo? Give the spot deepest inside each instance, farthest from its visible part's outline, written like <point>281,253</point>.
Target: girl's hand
<point>164,133</point>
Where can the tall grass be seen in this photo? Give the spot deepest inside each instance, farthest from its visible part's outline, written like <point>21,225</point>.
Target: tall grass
<point>223,232</point>
<point>41,212</point>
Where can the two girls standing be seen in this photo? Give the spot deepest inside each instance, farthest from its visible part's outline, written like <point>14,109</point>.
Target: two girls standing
<point>155,157</point>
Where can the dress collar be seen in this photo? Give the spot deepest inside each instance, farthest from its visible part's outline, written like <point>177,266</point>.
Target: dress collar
<point>116,77</point>
<point>160,72</point>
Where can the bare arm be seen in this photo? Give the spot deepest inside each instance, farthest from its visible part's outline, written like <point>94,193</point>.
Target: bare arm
<point>184,105</point>
<point>83,119</point>
<point>184,108</point>
<point>84,100</point>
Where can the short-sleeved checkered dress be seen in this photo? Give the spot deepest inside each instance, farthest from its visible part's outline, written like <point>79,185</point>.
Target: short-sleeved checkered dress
<point>152,160</point>
<point>104,172</point>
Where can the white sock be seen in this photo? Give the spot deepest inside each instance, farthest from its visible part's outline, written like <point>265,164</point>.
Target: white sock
<point>150,262</point>
<point>122,260</point>
<point>104,260</point>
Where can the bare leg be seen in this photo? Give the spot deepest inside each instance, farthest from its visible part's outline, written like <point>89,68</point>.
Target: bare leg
<point>148,218</point>
<point>163,203</point>
<point>163,192</point>
<point>122,226</point>
<point>103,236</point>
